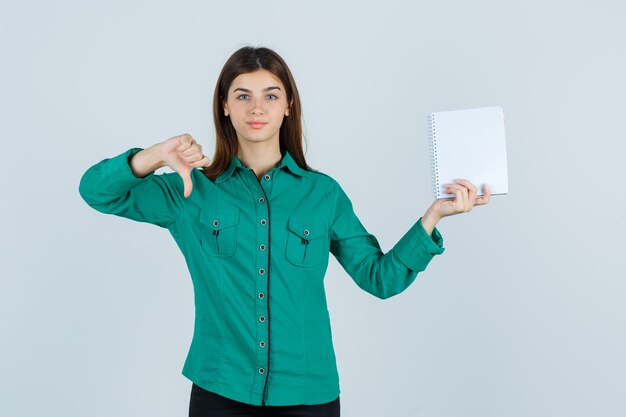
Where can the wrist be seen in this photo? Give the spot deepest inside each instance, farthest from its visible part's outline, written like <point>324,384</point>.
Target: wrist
<point>146,161</point>
<point>430,220</point>
<point>157,156</point>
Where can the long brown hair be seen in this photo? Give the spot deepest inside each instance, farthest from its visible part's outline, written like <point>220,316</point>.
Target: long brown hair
<point>245,60</point>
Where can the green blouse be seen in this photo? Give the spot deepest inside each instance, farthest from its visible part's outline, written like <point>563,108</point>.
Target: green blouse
<point>257,252</point>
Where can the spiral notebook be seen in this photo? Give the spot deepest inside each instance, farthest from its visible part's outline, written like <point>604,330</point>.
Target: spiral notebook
<point>468,144</point>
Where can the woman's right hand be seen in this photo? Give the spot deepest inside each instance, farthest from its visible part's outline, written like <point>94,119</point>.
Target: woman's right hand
<point>182,153</point>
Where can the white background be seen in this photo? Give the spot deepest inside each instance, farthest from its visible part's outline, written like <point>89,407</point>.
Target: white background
<point>523,314</point>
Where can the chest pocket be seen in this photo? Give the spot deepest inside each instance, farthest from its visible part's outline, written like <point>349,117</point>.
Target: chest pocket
<point>219,231</point>
<point>306,241</point>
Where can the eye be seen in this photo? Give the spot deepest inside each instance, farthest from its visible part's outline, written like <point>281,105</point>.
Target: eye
<point>241,95</point>
<point>272,95</point>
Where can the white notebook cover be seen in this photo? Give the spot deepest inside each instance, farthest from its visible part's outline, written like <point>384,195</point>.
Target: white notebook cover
<point>468,144</point>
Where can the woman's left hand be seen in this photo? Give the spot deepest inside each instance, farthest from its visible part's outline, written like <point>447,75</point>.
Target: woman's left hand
<point>464,201</point>
<point>465,198</point>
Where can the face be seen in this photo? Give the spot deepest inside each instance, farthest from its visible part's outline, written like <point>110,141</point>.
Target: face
<point>256,105</point>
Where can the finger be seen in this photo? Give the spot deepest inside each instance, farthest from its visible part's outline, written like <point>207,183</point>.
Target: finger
<point>201,163</point>
<point>457,203</point>
<point>471,189</point>
<point>195,148</point>
<point>471,194</point>
<point>484,199</point>
<point>193,158</point>
<point>187,183</point>
<point>461,202</point>
<point>461,188</point>
<point>465,183</point>
<point>186,142</point>
<point>452,185</point>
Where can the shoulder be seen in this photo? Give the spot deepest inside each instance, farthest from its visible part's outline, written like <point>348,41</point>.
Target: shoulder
<point>332,189</point>
<point>319,176</point>
<point>323,179</point>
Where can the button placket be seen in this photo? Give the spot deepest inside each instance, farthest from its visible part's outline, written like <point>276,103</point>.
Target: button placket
<point>261,190</point>
<point>262,283</point>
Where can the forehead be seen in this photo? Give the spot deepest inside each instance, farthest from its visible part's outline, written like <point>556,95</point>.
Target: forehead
<point>256,80</point>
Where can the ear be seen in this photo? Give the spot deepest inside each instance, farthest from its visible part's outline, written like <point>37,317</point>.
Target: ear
<point>287,110</point>
<point>225,106</point>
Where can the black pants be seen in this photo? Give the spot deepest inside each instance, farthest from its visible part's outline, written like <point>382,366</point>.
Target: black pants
<point>205,403</point>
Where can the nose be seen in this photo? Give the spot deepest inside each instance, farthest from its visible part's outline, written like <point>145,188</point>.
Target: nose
<point>257,106</point>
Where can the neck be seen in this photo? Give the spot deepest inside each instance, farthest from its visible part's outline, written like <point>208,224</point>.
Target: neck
<point>259,158</point>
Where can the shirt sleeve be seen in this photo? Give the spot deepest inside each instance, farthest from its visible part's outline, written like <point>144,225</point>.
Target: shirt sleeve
<point>359,253</point>
<point>110,187</point>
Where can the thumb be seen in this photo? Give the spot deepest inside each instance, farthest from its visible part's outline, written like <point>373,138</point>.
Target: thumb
<point>188,184</point>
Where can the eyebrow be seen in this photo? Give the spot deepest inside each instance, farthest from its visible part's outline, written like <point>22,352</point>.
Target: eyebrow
<point>245,90</point>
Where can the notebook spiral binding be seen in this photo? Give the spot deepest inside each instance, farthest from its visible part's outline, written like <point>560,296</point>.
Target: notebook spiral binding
<point>432,145</point>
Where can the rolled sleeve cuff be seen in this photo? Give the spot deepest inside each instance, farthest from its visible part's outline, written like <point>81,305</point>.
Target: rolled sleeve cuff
<point>417,248</point>
<point>118,168</point>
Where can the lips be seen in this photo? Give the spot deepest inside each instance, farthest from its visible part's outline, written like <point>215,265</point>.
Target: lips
<point>256,125</point>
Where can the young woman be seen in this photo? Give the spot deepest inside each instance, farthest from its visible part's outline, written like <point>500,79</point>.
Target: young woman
<point>256,226</point>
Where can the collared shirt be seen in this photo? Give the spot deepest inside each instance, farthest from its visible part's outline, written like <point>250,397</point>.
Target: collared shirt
<point>257,252</point>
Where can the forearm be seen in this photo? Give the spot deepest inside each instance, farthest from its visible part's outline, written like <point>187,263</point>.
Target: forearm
<point>359,253</point>
<point>105,184</point>
<point>110,187</point>
<point>430,220</point>
<point>146,161</point>
<point>387,274</point>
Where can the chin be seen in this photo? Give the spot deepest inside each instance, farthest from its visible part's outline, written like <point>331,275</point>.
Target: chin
<point>255,140</point>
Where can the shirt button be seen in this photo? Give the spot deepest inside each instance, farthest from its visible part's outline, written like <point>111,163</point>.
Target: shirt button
<point>261,370</point>
<point>262,344</point>
<point>262,319</point>
<point>263,221</point>
<point>306,232</point>
<point>261,295</point>
<point>262,247</point>
<point>216,223</point>
<point>261,200</point>
<point>267,177</point>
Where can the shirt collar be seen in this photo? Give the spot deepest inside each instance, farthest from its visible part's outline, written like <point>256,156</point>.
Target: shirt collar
<point>285,161</point>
